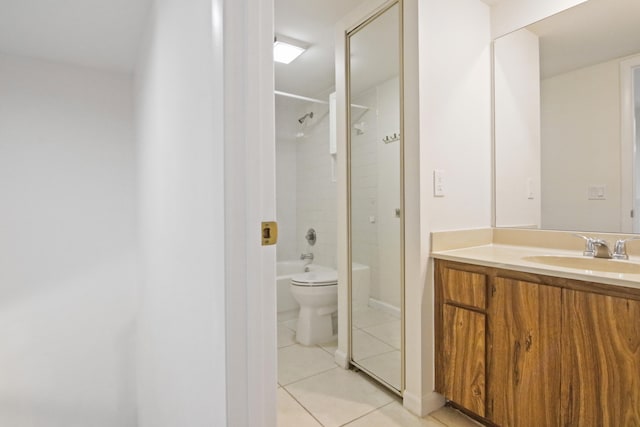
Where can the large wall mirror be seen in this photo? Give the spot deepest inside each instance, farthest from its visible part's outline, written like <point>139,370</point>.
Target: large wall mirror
<point>565,110</point>
<point>376,212</point>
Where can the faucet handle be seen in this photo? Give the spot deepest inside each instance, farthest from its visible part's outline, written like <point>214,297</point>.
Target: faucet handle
<point>589,248</point>
<point>620,248</point>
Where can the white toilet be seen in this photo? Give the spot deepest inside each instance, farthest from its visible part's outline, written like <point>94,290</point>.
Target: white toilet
<point>317,294</point>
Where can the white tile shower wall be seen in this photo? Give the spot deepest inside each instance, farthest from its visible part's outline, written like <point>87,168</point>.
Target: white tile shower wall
<point>316,193</point>
<point>286,179</point>
<point>389,239</point>
<point>376,175</point>
<point>364,202</point>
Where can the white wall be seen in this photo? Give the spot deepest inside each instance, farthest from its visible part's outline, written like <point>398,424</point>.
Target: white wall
<point>68,290</point>
<point>182,343</point>
<point>580,147</point>
<point>455,136</point>
<point>510,15</point>
<point>517,130</point>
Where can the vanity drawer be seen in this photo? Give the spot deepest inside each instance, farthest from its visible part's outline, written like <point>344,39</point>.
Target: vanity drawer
<point>464,287</point>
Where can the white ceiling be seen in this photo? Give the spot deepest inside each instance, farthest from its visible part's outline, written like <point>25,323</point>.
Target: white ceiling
<point>95,33</point>
<point>312,74</point>
<point>312,22</point>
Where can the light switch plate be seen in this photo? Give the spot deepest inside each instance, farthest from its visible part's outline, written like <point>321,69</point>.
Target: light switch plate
<point>438,183</point>
<point>530,192</point>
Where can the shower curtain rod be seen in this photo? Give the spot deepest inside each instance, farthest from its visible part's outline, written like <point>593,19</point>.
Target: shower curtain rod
<point>305,98</point>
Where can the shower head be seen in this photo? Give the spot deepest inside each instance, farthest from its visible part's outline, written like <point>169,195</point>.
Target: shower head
<point>302,119</point>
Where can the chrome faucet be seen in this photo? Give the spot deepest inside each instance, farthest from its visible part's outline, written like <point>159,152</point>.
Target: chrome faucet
<point>601,249</point>
<point>307,256</point>
<point>620,248</point>
<point>589,248</point>
<point>597,248</point>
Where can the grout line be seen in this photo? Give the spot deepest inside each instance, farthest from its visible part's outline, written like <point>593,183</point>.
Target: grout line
<point>380,354</point>
<point>288,345</point>
<point>329,352</point>
<point>379,339</point>
<point>435,420</point>
<point>467,420</point>
<point>368,413</point>
<point>311,376</point>
<point>302,406</point>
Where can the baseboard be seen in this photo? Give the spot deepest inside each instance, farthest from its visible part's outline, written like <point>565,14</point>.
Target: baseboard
<point>383,306</point>
<point>422,406</point>
<point>341,359</point>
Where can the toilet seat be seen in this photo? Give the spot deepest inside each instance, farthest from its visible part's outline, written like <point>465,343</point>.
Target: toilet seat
<point>315,278</point>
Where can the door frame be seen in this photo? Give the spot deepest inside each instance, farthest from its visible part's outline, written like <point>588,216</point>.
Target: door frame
<point>249,139</point>
<point>627,146</point>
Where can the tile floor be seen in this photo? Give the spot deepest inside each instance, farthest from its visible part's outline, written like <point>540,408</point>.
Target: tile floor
<point>376,343</point>
<point>313,391</point>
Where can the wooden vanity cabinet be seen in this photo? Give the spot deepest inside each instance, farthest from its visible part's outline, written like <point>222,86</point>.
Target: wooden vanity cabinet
<point>461,338</point>
<point>519,349</point>
<point>524,353</point>
<point>601,360</point>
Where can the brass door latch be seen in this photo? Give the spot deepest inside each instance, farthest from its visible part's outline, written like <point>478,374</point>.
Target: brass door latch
<point>269,233</point>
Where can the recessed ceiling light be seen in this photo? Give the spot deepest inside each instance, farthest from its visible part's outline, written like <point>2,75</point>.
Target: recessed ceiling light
<point>286,51</point>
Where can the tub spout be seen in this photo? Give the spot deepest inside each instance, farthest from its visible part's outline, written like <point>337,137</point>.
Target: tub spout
<point>307,257</point>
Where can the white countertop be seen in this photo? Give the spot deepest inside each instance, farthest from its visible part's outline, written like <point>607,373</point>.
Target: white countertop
<point>510,257</point>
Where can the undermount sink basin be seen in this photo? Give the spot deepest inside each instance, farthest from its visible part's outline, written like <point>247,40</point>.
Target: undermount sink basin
<point>585,263</point>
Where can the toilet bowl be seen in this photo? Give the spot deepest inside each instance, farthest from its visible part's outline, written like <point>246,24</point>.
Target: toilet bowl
<point>317,294</point>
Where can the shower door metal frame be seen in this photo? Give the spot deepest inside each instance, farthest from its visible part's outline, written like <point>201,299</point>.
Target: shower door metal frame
<point>348,34</point>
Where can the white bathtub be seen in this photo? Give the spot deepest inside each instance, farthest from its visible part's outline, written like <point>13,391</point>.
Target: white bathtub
<point>287,305</point>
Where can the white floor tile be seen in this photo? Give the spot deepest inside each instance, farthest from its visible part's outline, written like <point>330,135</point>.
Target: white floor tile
<point>393,415</point>
<point>297,362</point>
<point>452,418</point>
<point>291,324</point>
<point>286,336</point>
<point>387,366</point>
<point>291,413</point>
<point>388,332</point>
<point>330,347</point>
<point>338,396</point>
<point>365,345</point>
<point>367,316</point>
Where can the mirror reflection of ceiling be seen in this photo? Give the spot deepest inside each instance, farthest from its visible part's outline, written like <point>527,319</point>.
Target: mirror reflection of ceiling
<point>582,36</point>
<point>378,43</point>
<point>95,33</point>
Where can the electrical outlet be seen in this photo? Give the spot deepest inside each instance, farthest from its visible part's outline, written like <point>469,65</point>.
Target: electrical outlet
<point>597,192</point>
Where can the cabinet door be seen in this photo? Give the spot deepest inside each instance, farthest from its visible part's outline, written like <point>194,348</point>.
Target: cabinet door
<point>523,386</point>
<point>464,357</point>
<point>601,360</point>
